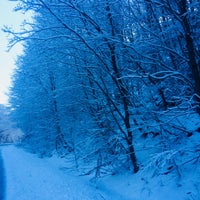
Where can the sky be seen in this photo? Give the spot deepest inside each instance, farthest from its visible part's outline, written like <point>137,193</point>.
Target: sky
<point>7,59</point>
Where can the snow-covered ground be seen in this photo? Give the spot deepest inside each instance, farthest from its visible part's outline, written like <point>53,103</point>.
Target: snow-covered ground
<point>31,178</point>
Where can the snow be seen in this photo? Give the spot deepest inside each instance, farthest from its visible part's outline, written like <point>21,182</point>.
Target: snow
<point>151,188</point>
<point>29,177</point>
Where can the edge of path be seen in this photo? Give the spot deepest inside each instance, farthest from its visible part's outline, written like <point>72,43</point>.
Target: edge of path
<point>2,178</point>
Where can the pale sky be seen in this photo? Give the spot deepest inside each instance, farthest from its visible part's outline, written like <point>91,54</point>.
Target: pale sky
<point>7,59</point>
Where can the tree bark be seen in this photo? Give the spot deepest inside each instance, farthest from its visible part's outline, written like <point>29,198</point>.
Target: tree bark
<point>123,92</point>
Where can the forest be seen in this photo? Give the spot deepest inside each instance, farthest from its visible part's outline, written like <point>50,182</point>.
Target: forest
<point>110,85</point>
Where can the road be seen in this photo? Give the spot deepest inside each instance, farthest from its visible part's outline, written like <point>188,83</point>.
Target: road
<point>2,179</point>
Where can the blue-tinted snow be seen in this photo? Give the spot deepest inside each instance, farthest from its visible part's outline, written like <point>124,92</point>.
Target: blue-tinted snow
<point>2,179</point>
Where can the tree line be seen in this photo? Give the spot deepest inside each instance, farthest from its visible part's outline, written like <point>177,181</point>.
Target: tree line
<point>98,75</point>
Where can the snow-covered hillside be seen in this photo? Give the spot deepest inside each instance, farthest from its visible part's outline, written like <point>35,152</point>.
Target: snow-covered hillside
<point>31,178</point>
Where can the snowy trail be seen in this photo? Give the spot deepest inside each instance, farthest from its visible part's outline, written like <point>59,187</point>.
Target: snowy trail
<point>2,181</point>
<point>31,178</point>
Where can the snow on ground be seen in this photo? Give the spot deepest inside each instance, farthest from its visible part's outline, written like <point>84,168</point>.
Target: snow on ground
<point>145,187</point>
<point>2,182</point>
<point>31,178</point>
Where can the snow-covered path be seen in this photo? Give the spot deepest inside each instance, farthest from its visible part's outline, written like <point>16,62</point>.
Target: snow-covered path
<point>31,178</point>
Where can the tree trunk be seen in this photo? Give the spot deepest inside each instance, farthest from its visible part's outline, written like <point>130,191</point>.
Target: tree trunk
<point>123,92</point>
